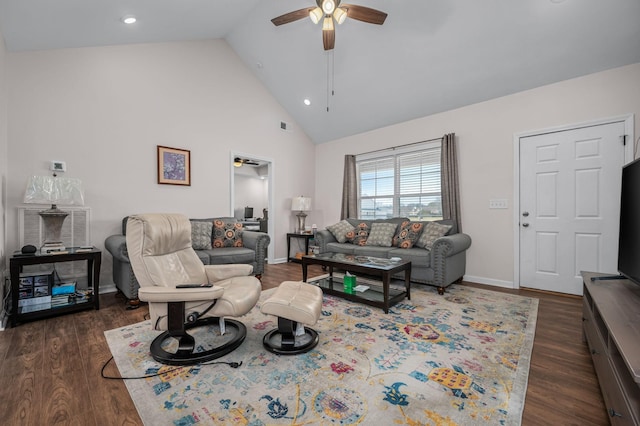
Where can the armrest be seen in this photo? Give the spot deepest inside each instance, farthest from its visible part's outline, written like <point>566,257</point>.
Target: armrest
<point>171,294</point>
<point>323,237</point>
<point>449,245</point>
<point>117,246</point>
<point>255,240</point>
<point>217,273</point>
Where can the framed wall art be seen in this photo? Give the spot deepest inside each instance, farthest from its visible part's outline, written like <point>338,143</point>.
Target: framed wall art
<point>174,166</point>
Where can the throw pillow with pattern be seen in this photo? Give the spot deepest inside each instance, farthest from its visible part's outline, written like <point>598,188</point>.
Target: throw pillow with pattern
<point>381,234</point>
<point>359,234</point>
<point>227,234</point>
<point>340,229</point>
<point>201,235</point>
<point>431,233</point>
<point>408,234</point>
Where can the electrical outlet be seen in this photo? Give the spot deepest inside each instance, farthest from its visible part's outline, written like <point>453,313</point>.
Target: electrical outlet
<point>498,204</point>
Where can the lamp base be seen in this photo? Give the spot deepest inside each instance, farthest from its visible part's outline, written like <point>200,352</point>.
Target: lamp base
<point>53,220</point>
<point>301,217</point>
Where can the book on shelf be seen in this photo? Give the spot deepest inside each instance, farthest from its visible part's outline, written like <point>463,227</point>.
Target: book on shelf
<point>36,307</point>
<point>34,301</point>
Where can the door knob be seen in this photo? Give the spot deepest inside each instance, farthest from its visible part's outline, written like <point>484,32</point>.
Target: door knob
<point>525,225</point>
<point>525,214</point>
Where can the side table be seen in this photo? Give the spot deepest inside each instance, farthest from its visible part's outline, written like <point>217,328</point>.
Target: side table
<point>17,262</point>
<point>306,238</point>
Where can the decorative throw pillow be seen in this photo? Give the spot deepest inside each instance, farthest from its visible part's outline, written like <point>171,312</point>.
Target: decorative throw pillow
<point>381,234</point>
<point>227,234</point>
<point>408,234</point>
<point>359,234</point>
<point>340,229</point>
<point>201,235</point>
<point>432,232</point>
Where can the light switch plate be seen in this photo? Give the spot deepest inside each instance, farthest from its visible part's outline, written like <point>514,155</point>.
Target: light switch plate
<point>500,203</point>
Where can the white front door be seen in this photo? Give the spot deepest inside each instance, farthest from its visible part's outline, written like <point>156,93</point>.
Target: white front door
<point>569,205</point>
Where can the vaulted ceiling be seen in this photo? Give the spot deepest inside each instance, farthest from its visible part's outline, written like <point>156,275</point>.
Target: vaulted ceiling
<point>429,56</point>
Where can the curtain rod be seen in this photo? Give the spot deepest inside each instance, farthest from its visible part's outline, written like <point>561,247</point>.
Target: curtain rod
<point>393,148</point>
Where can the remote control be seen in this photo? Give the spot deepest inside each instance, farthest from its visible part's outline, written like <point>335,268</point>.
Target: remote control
<point>193,285</point>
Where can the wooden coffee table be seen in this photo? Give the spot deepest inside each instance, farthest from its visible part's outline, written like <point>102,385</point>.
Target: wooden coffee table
<point>381,296</point>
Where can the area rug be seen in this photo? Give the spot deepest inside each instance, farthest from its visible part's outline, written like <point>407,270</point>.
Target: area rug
<point>458,359</point>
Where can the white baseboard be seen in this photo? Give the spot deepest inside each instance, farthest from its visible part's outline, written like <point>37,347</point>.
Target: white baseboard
<point>488,281</point>
<point>111,288</point>
<point>4,318</point>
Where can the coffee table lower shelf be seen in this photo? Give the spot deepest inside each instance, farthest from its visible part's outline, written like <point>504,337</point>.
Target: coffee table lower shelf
<point>373,296</point>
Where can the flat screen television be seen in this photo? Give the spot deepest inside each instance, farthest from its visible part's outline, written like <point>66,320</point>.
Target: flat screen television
<point>629,239</point>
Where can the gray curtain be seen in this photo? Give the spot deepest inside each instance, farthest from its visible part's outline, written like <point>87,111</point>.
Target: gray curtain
<point>449,177</point>
<point>349,188</point>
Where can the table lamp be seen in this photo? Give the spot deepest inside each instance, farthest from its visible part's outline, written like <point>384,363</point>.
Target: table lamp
<point>53,190</point>
<point>301,205</point>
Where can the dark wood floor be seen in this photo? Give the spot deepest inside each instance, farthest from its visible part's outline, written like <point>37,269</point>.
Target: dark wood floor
<point>50,369</point>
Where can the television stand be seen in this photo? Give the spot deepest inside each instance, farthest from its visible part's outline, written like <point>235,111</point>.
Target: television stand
<point>608,278</point>
<point>611,327</point>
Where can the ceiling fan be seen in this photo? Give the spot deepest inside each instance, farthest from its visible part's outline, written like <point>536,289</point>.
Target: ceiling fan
<point>328,11</point>
<point>239,162</point>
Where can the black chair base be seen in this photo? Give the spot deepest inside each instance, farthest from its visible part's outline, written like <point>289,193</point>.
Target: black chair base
<point>185,354</point>
<point>283,341</point>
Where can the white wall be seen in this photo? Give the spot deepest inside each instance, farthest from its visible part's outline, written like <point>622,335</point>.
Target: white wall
<point>104,110</point>
<point>250,192</point>
<point>3,170</point>
<point>485,134</point>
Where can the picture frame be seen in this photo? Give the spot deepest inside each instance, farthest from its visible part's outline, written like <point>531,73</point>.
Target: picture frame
<point>174,166</point>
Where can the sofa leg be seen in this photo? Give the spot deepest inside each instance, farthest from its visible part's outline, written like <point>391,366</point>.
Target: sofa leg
<point>440,291</point>
<point>133,304</point>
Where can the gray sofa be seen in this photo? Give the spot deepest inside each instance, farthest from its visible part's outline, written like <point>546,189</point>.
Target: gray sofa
<point>440,266</point>
<point>253,253</point>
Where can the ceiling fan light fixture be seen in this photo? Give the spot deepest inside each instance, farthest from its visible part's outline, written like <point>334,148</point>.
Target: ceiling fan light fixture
<point>340,15</point>
<point>328,6</point>
<point>316,15</point>
<point>327,24</point>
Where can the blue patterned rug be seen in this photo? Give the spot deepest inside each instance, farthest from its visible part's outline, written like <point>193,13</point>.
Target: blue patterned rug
<point>458,359</point>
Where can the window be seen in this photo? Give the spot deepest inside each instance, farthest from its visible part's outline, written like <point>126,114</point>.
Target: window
<point>404,182</point>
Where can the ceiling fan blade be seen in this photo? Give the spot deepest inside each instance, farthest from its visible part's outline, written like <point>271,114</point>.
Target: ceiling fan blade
<point>329,39</point>
<point>292,16</point>
<point>364,14</point>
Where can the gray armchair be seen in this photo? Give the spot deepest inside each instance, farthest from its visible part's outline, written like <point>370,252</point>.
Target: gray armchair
<point>252,253</point>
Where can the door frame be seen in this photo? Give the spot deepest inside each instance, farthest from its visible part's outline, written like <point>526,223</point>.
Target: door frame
<point>270,182</point>
<point>627,119</point>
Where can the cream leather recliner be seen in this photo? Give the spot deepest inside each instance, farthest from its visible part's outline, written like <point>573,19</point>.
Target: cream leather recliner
<point>162,258</point>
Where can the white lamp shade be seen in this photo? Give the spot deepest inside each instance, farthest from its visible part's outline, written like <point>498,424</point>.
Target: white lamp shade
<point>54,190</point>
<point>301,204</point>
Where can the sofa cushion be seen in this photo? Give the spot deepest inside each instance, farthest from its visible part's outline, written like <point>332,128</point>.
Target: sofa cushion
<point>201,235</point>
<point>432,232</point>
<point>204,256</point>
<point>374,251</point>
<point>419,257</point>
<point>408,234</point>
<point>359,234</point>
<point>227,234</point>
<point>340,229</point>
<point>342,248</point>
<point>230,255</point>
<point>381,234</point>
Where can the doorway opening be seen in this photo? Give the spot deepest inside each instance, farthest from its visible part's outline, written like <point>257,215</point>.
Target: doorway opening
<point>252,194</point>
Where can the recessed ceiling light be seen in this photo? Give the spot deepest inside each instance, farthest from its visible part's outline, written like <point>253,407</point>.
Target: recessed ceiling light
<point>307,102</point>
<point>129,19</point>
